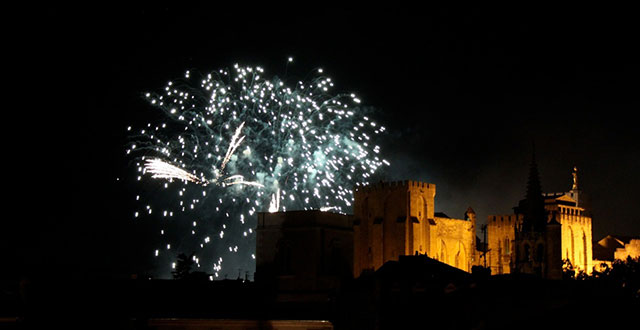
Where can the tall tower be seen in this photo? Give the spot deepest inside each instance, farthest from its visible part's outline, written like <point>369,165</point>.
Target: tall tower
<point>530,246</point>
<point>544,230</point>
<point>391,219</point>
<point>535,216</point>
<point>470,215</point>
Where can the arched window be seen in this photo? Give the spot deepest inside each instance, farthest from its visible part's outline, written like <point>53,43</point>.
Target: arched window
<point>419,231</point>
<point>460,260</point>
<point>443,252</point>
<point>573,247</point>
<point>422,208</point>
<point>584,250</point>
<point>507,248</point>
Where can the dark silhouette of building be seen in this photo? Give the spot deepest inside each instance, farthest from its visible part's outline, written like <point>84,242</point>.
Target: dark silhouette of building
<point>303,260</point>
<point>537,241</point>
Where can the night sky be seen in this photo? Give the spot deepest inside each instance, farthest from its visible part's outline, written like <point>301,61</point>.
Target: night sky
<point>463,91</point>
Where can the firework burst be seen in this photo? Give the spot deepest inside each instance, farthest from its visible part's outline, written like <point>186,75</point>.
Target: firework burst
<point>234,143</point>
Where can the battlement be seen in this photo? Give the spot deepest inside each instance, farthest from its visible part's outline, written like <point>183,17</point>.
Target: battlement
<point>507,219</point>
<point>392,185</point>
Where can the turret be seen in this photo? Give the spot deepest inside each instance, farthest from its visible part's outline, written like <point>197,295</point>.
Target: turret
<point>470,215</point>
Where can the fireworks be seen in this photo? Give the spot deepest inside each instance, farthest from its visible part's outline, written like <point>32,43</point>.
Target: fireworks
<point>235,143</point>
<point>161,170</point>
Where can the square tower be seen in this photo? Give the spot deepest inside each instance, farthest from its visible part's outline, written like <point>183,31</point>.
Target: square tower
<point>304,250</point>
<point>391,219</point>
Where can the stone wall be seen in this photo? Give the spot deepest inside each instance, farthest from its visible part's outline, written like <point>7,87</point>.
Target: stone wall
<point>631,249</point>
<point>577,238</point>
<point>397,218</point>
<point>453,242</point>
<point>500,236</point>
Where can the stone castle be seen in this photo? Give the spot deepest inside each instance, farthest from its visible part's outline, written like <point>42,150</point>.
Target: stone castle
<point>564,213</point>
<point>398,218</point>
<point>546,232</point>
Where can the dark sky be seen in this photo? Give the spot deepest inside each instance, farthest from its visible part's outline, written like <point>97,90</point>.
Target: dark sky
<point>463,91</point>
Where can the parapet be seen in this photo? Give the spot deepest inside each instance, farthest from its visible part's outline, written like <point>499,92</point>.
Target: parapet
<point>392,185</point>
<point>308,218</point>
<point>507,219</point>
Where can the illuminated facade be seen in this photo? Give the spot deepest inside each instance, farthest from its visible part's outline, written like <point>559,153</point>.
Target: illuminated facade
<point>562,209</point>
<point>614,247</point>
<point>630,250</point>
<point>397,218</point>
<point>393,219</point>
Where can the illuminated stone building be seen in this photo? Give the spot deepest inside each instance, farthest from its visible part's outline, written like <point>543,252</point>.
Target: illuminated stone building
<point>630,250</point>
<point>526,242</point>
<point>615,247</point>
<point>314,250</point>
<point>393,219</point>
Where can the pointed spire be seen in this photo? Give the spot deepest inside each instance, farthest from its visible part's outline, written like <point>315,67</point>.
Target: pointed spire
<point>535,217</point>
<point>534,188</point>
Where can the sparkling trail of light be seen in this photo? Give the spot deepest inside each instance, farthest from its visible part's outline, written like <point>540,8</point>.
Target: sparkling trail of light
<point>232,147</point>
<point>250,144</point>
<point>162,170</point>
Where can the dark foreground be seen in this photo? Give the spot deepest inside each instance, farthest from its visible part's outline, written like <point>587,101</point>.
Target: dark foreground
<point>367,303</point>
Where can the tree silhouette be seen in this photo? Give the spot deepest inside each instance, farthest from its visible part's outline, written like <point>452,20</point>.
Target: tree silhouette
<point>568,272</point>
<point>626,273</point>
<point>183,266</point>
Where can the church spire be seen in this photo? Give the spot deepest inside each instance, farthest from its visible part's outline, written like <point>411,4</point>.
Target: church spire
<point>534,188</point>
<point>534,213</point>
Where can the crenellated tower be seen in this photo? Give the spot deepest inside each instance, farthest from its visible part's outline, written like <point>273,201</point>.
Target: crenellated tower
<point>545,229</point>
<point>398,218</point>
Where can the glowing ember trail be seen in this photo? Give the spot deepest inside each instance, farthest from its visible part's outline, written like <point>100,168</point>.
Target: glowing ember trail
<point>162,170</point>
<point>234,143</point>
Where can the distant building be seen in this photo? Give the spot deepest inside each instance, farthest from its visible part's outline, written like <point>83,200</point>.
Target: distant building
<point>544,230</point>
<point>615,247</point>
<point>304,251</point>
<point>630,250</point>
<point>314,250</point>
<point>393,219</point>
